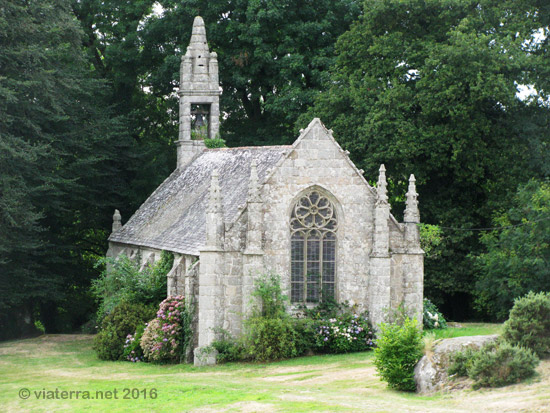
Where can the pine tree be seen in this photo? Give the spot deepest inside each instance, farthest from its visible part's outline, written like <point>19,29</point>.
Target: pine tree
<point>60,158</point>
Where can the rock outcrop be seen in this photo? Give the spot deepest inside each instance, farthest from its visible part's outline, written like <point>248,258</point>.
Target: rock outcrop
<point>430,374</point>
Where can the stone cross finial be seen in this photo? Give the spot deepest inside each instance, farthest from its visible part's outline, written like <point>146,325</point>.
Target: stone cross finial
<point>382,187</point>
<point>253,185</point>
<point>411,211</point>
<point>117,220</point>
<point>215,202</point>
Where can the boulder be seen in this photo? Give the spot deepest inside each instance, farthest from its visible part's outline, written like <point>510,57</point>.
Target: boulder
<point>430,373</point>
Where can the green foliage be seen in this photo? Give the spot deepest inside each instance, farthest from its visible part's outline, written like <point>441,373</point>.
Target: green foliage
<point>495,364</point>
<point>432,317</point>
<point>166,338</point>
<point>517,257</point>
<point>228,348</point>
<point>461,362</point>
<point>529,323</point>
<point>132,348</point>
<point>431,240</point>
<point>39,326</point>
<point>215,143</point>
<point>269,332</point>
<point>267,289</point>
<point>122,281</point>
<point>116,326</point>
<point>502,364</point>
<point>62,149</point>
<point>269,339</point>
<point>398,349</point>
<point>423,86</point>
<point>306,333</point>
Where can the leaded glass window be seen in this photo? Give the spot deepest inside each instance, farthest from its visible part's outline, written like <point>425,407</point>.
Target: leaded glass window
<point>313,227</point>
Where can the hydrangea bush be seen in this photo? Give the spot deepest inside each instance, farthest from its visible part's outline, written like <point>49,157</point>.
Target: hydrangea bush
<point>432,318</point>
<point>167,336</point>
<point>345,333</point>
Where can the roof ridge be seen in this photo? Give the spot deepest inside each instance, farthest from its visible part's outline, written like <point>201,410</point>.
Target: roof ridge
<point>251,147</point>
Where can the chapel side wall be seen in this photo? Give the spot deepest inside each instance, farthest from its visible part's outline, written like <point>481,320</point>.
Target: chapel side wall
<point>317,160</point>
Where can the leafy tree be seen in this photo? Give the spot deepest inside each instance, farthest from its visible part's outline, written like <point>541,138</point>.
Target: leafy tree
<point>430,87</point>
<point>60,156</point>
<point>517,257</point>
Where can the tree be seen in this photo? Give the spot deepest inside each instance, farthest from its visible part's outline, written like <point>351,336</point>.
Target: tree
<point>61,152</point>
<point>430,88</point>
<point>517,256</point>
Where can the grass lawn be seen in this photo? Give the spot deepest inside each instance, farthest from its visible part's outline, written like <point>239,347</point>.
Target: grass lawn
<point>318,383</point>
<point>467,329</point>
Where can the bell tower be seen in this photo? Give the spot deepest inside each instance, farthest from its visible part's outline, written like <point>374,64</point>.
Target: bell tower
<point>199,96</point>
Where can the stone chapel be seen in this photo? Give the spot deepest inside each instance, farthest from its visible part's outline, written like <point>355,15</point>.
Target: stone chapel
<point>302,211</point>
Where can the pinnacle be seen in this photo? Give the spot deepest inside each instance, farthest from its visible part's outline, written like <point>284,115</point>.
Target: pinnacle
<point>198,35</point>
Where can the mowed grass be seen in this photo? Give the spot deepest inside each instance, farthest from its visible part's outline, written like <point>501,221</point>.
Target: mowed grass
<point>317,383</point>
<point>468,329</point>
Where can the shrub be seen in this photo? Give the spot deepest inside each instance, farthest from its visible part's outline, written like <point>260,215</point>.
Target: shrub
<point>306,331</point>
<point>345,333</point>
<point>132,348</point>
<point>115,327</point>
<point>529,323</point>
<point>269,339</point>
<point>149,337</point>
<point>432,318</point>
<point>228,348</point>
<point>501,364</point>
<point>122,281</point>
<point>461,361</point>
<point>168,337</point>
<point>399,347</point>
<point>215,143</point>
<point>267,288</point>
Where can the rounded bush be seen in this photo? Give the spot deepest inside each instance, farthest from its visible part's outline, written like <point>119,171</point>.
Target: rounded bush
<point>496,365</point>
<point>529,323</point>
<point>270,339</point>
<point>399,347</point>
<point>116,326</point>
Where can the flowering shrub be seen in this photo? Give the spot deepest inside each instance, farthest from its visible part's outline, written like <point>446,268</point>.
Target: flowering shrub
<point>346,333</point>
<point>132,348</point>
<point>166,337</point>
<point>149,337</point>
<point>432,318</point>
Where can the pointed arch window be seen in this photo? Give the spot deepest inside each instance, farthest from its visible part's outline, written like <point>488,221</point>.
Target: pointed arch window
<point>313,225</point>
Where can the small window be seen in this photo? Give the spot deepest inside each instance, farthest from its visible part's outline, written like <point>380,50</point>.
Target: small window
<point>313,227</point>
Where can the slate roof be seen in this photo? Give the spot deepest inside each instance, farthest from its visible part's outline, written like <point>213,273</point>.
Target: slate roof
<point>173,218</point>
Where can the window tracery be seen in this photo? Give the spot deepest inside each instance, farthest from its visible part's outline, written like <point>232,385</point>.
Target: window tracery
<point>313,226</point>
